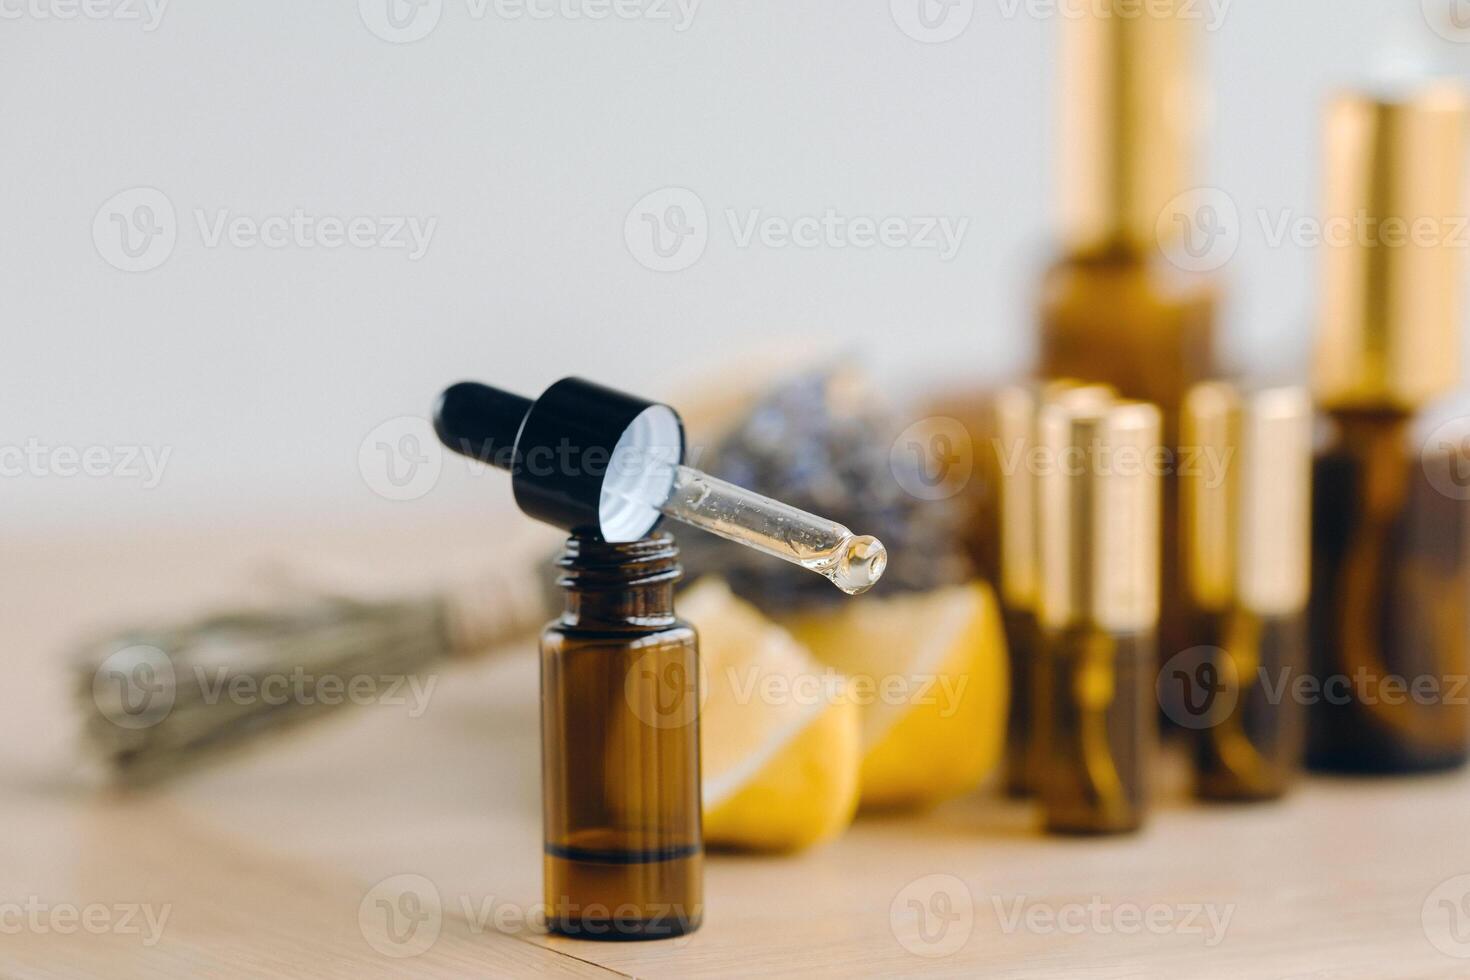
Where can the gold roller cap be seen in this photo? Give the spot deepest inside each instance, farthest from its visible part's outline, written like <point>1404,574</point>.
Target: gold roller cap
<point>1099,516</point>
<point>1129,113</point>
<point>1017,408</point>
<point>1245,473</point>
<point>1394,234</point>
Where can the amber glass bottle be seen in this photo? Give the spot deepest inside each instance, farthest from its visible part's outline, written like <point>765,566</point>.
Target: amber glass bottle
<point>1119,306</point>
<point>1016,410</point>
<point>1095,716</point>
<point>1246,498</point>
<point>1389,616</point>
<point>620,747</point>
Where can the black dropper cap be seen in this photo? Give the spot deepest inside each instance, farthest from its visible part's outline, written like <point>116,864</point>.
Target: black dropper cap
<point>559,451</point>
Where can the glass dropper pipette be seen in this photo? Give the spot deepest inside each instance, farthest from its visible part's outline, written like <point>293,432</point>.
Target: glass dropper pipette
<point>549,447</point>
<point>853,563</point>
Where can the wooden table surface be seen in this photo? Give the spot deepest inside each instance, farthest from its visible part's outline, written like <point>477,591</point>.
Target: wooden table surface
<point>286,858</point>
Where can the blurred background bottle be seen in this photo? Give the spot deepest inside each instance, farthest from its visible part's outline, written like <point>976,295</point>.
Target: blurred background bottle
<point>1096,719</point>
<point>1245,492</point>
<point>1389,614</point>
<point>1114,308</point>
<point>1017,410</point>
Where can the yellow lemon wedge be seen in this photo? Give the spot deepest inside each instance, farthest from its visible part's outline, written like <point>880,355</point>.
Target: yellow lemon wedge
<point>929,672</point>
<point>778,735</point>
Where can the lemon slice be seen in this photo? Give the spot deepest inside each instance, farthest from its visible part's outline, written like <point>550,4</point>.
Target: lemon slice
<point>778,736</point>
<point>929,671</point>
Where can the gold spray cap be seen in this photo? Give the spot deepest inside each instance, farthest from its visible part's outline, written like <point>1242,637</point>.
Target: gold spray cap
<point>1129,108</point>
<point>1099,516</point>
<point>1393,243</point>
<point>1017,408</point>
<point>1245,473</point>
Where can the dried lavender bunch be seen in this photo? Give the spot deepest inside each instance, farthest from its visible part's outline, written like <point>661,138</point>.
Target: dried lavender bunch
<point>819,442</point>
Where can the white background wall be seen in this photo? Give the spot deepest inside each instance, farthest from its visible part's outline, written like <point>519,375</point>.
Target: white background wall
<point>262,370</point>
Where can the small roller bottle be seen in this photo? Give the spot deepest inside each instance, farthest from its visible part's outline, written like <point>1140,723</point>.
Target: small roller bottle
<point>1390,625</point>
<point>620,689</point>
<point>1015,409</point>
<point>1246,491</point>
<point>1097,721</point>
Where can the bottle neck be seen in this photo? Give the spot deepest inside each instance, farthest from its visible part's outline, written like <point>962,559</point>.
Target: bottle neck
<point>619,586</point>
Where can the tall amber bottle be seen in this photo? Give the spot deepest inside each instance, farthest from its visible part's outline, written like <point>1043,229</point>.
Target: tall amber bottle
<point>1114,307</point>
<point>1389,610</point>
<point>1246,500</point>
<point>1095,714</point>
<point>620,747</point>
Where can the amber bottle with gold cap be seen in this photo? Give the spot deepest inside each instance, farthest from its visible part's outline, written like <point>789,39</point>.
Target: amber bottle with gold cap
<point>1389,615</point>
<point>1096,719</point>
<point>1016,411</point>
<point>1116,307</point>
<point>1245,485</point>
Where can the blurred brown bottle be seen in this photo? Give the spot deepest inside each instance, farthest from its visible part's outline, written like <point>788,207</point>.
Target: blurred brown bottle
<point>1094,714</point>
<point>1017,410</point>
<point>1389,594</point>
<point>1246,503</point>
<point>1127,303</point>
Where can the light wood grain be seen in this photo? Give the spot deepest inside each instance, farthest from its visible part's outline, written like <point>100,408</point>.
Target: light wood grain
<point>265,862</point>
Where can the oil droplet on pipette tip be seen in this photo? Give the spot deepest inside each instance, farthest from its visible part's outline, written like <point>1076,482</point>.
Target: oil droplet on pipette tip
<point>861,565</point>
